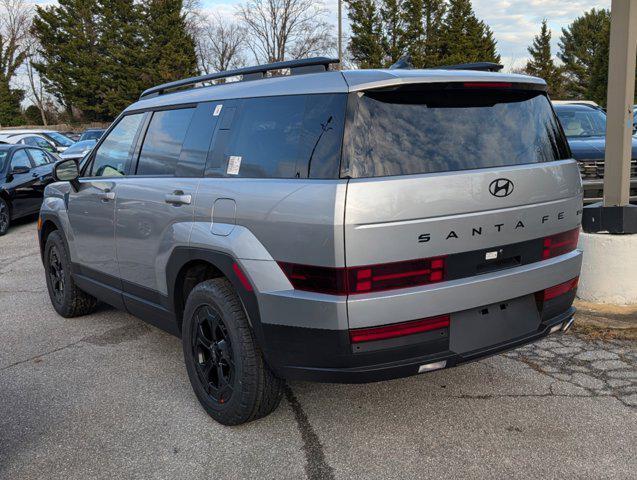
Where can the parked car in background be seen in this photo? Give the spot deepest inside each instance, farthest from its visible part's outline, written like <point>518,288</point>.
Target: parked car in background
<point>92,134</point>
<point>59,141</point>
<point>585,129</point>
<point>72,135</point>
<point>31,139</point>
<point>78,150</point>
<point>24,173</point>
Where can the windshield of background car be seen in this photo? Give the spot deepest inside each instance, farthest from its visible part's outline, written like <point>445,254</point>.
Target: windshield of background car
<point>59,139</point>
<point>588,122</point>
<point>432,128</point>
<point>80,148</point>
<point>3,156</point>
<point>91,135</point>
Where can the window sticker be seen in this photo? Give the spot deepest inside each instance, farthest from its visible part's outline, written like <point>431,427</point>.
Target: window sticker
<point>234,164</point>
<point>217,110</point>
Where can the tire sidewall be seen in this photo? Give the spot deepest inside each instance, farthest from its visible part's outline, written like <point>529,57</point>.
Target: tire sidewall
<point>55,240</point>
<point>207,295</point>
<point>8,208</point>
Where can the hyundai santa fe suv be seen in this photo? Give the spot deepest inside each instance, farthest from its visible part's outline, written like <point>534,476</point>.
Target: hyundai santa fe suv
<point>334,226</point>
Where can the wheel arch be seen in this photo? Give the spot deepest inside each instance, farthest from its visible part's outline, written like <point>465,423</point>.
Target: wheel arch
<point>204,264</point>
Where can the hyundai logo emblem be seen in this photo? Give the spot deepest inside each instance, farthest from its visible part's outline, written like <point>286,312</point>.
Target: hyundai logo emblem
<point>501,187</point>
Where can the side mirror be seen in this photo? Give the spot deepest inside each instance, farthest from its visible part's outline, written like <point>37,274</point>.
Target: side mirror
<point>67,171</point>
<point>20,170</point>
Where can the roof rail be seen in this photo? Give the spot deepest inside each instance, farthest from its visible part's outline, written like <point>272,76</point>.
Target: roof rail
<point>481,66</point>
<point>306,65</point>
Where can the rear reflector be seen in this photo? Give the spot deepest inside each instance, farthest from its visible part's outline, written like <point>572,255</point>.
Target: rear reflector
<point>558,290</point>
<point>560,243</point>
<point>365,279</point>
<point>399,329</point>
<point>242,277</point>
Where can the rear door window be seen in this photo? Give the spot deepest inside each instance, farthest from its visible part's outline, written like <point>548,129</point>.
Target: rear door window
<point>295,136</point>
<point>163,142</point>
<point>39,157</point>
<point>113,156</point>
<point>415,130</point>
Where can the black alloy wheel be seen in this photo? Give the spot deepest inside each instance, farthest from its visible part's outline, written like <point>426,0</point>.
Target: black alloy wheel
<point>212,351</point>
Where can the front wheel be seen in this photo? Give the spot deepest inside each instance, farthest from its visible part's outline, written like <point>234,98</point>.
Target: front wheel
<point>66,297</point>
<point>5,217</point>
<point>225,365</point>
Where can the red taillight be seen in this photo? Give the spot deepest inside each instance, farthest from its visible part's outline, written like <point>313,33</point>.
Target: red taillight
<point>370,278</point>
<point>560,243</point>
<point>558,290</point>
<point>399,329</point>
<point>487,84</point>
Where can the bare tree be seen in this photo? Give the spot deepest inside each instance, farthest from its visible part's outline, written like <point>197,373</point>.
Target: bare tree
<point>220,44</point>
<point>278,30</point>
<point>15,22</point>
<point>36,92</point>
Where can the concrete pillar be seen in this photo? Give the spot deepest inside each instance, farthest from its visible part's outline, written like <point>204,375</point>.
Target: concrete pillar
<point>621,96</point>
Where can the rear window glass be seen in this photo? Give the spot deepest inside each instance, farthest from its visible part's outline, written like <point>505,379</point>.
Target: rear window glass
<point>3,156</point>
<point>163,142</point>
<point>413,131</point>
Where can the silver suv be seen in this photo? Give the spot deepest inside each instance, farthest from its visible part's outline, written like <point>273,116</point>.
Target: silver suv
<point>335,226</point>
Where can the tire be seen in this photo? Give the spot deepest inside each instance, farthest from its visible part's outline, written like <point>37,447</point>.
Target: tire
<point>67,298</point>
<point>5,217</point>
<point>224,363</point>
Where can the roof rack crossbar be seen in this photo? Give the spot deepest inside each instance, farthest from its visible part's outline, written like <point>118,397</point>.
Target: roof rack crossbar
<point>480,66</point>
<point>297,66</point>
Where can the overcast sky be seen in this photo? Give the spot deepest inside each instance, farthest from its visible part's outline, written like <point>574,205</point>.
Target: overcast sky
<point>514,22</point>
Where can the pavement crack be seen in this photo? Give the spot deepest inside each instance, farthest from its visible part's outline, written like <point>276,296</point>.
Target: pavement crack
<point>40,355</point>
<point>316,466</point>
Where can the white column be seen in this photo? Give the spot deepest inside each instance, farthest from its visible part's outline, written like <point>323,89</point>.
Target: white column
<point>621,85</point>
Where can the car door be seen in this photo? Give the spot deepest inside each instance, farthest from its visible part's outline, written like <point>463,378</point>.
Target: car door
<point>42,171</point>
<point>21,184</point>
<point>154,209</point>
<point>91,209</point>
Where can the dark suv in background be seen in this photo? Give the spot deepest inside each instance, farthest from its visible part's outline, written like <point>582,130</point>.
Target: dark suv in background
<point>585,128</point>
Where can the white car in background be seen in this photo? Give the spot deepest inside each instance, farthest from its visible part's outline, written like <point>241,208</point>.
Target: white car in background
<point>55,139</point>
<point>29,139</point>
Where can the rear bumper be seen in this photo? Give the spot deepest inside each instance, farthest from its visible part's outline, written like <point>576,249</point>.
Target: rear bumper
<point>378,368</point>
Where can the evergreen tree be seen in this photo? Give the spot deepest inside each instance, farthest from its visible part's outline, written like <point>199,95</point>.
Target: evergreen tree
<point>366,41</point>
<point>72,54</point>
<point>465,38</point>
<point>170,49</point>
<point>414,31</point>
<point>99,55</point>
<point>393,31</point>
<point>10,113</point>
<point>541,63</point>
<point>433,15</point>
<point>579,45</point>
<point>123,70</point>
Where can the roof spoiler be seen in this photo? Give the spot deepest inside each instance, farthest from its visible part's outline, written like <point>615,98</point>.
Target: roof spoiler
<point>296,67</point>
<point>405,63</point>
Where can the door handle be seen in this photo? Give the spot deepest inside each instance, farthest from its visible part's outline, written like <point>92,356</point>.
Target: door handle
<point>178,198</point>
<point>107,196</point>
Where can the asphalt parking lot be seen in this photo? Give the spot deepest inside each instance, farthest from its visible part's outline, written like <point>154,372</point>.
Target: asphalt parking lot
<point>106,396</point>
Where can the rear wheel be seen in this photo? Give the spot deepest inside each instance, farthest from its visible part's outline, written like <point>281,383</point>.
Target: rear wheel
<point>67,299</point>
<point>225,365</point>
<point>5,217</point>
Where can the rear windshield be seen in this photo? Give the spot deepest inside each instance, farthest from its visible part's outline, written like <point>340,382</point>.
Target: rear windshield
<point>416,130</point>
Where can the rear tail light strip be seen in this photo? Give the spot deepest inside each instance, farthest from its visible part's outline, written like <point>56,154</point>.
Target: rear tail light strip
<point>560,243</point>
<point>359,335</point>
<point>365,279</point>
<point>557,290</point>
